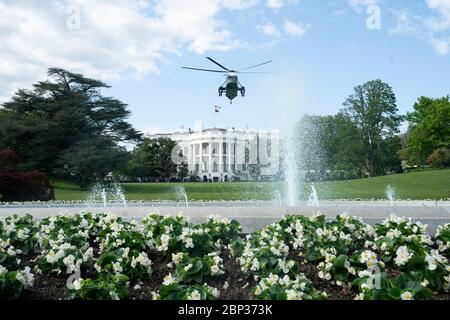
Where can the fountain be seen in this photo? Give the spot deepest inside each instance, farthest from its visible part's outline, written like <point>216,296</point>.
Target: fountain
<point>278,197</point>
<point>181,192</point>
<point>291,172</point>
<point>291,110</point>
<point>390,193</point>
<point>313,200</point>
<point>120,194</point>
<point>104,194</point>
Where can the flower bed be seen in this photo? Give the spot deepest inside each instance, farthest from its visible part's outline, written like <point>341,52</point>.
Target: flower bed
<point>101,256</point>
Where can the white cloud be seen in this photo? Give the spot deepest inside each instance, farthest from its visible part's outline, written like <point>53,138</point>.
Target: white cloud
<point>443,9</point>
<point>117,38</point>
<point>358,4</point>
<point>239,4</point>
<point>426,28</point>
<point>406,23</point>
<point>440,46</point>
<point>275,4</point>
<point>269,29</point>
<point>293,29</point>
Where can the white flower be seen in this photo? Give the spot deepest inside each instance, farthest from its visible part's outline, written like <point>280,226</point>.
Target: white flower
<point>26,277</point>
<point>319,232</point>
<point>292,295</point>
<point>425,283</point>
<point>215,270</point>
<point>125,253</point>
<point>69,261</point>
<point>3,270</point>
<point>403,255</point>
<point>258,290</point>
<point>215,292</point>
<point>114,295</point>
<point>176,257</point>
<point>117,267</point>
<point>195,295</point>
<point>88,254</point>
<point>407,296</point>
<point>168,280</point>
<point>273,279</point>
<point>359,296</point>
<point>189,243</point>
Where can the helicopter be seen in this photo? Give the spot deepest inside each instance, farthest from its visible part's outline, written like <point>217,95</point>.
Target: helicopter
<point>231,86</point>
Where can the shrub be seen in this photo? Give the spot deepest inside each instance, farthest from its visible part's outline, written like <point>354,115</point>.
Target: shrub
<point>28,186</point>
<point>440,158</point>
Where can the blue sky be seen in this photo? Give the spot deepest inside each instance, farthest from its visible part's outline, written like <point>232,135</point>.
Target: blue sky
<point>322,49</point>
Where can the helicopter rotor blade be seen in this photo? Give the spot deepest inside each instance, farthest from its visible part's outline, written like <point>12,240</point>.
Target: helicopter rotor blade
<point>208,70</point>
<point>214,61</point>
<point>250,72</point>
<point>258,65</point>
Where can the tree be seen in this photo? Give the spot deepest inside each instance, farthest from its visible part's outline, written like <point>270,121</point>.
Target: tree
<point>428,130</point>
<point>440,158</point>
<point>92,159</point>
<point>373,110</point>
<point>43,123</point>
<point>183,170</point>
<point>347,144</point>
<point>152,158</point>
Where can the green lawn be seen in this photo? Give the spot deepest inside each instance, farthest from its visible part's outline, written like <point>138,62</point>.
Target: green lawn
<point>430,184</point>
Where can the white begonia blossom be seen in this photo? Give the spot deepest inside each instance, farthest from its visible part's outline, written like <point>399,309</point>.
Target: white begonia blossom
<point>117,267</point>
<point>320,232</point>
<point>407,296</point>
<point>403,256</point>
<point>25,277</point>
<point>168,280</point>
<point>189,243</point>
<point>176,257</point>
<point>114,295</point>
<point>194,295</point>
<point>3,270</point>
<point>215,292</point>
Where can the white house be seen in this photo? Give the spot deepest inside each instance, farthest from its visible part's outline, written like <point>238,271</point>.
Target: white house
<point>218,154</point>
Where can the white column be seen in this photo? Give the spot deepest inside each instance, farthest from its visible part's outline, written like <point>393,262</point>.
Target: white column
<point>200,151</point>
<point>210,157</point>
<point>221,155</point>
<point>193,159</point>
<point>229,158</point>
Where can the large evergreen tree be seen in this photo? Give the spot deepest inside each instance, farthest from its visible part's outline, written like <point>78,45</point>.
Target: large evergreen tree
<point>57,115</point>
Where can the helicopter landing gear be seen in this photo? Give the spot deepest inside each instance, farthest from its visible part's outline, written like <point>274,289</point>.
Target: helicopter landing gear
<point>221,90</point>
<point>242,91</point>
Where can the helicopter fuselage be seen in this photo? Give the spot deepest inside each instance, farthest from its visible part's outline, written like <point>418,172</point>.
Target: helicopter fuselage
<point>231,87</point>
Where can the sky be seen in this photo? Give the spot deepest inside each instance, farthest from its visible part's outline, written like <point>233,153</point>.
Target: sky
<point>321,51</point>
